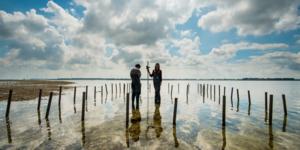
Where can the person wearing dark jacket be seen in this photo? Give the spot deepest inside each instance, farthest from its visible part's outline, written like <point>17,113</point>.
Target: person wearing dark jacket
<point>135,75</point>
<point>157,79</point>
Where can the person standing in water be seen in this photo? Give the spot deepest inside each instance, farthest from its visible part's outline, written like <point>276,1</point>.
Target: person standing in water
<point>135,75</point>
<point>157,79</point>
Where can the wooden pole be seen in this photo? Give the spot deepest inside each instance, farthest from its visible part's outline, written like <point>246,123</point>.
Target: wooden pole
<point>224,111</point>
<point>231,97</point>
<point>284,105</point>
<point>95,88</point>
<point>224,91</point>
<point>214,93</point>
<point>127,110</point>
<point>210,91</point>
<point>200,89</point>
<point>175,111</point>
<point>39,100</point>
<point>238,100</point>
<point>203,93</point>
<point>271,110</point>
<point>74,100</point>
<point>249,98</point>
<point>106,89</point>
<point>168,87</point>
<point>59,98</point>
<point>49,105</point>
<point>207,90</point>
<point>83,106</point>
<point>8,104</point>
<point>86,92</point>
<point>219,94</point>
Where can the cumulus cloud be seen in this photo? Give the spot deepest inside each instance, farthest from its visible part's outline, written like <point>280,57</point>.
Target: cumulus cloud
<point>252,17</point>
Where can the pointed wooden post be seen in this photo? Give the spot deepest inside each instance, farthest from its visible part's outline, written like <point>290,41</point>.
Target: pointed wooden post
<point>231,97</point>
<point>219,94</point>
<point>49,105</point>
<point>95,91</point>
<point>224,111</point>
<point>83,106</point>
<point>59,97</point>
<point>249,98</point>
<point>271,110</point>
<point>74,99</point>
<point>86,92</point>
<point>214,93</point>
<point>127,110</point>
<point>175,111</point>
<point>284,105</point>
<point>238,99</point>
<point>8,104</point>
<point>39,100</point>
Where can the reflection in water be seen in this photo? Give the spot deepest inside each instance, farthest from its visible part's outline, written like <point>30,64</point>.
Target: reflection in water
<point>74,109</point>
<point>224,137</point>
<point>271,136</point>
<point>284,124</point>
<point>127,138</point>
<point>157,121</point>
<point>175,137</point>
<point>48,129</point>
<point>266,116</point>
<point>8,131</point>
<point>135,128</point>
<point>83,132</point>
<point>59,115</point>
<point>39,117</point>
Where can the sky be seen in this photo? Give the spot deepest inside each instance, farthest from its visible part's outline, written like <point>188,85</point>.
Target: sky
<point>190,38</point>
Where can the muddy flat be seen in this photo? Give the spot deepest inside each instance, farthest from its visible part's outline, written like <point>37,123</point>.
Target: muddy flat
<point>29,89</point>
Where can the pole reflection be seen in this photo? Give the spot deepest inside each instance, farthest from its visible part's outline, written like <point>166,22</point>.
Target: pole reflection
<point>48,129</point>
<point>83,132</point>
<point>9,139</point>
<point>284,124</point>
<point>39,118</point>
<point>224,137</point>
<point>271,137</point>
<point>175,136</point>
<point>157,121</point>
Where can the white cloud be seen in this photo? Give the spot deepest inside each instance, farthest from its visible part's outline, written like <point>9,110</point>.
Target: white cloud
<point>252,17</point>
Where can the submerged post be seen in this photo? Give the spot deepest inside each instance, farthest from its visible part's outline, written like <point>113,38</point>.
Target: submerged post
<point>175,111</point>
<point>49,105</point>
<point>284,105</point>
<point>224,111</point>
<point>266,102</point>
<point>8,103</point>
<point>83,106</point>
<point>271,110</point>
<point>39,100</point>
<point>249,98</point>
<point>127,110</point>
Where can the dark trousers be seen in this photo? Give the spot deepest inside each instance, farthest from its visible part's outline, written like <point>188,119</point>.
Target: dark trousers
<point>136,91</point>
<point>157,92</point>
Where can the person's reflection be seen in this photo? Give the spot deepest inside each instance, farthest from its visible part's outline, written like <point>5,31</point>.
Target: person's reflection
<point>83,132</point>
<point>8,131</point>
<point>135,128</point>
<point>175,137</point>
<point>48,129</point>
<point>157,121</point>
<point>224,137</point>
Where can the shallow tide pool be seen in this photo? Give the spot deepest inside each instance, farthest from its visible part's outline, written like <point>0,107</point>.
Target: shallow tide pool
<point>198,122</point>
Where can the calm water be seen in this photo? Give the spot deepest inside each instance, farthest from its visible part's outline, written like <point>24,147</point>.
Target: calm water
<point>199,122</point>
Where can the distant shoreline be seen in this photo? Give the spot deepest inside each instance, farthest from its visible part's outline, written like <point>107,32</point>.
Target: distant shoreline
<point>169,79</point>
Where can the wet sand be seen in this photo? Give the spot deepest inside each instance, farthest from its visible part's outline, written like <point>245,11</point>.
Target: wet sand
<point>29,89</point>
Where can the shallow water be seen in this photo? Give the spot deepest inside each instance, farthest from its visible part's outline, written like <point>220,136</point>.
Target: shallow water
<point>198,124</point>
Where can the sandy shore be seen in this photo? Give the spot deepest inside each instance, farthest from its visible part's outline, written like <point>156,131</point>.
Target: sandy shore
<point>29,89</point>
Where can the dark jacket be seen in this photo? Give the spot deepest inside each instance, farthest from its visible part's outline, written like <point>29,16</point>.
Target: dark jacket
<point>157,77</point>
<point>135,75</point>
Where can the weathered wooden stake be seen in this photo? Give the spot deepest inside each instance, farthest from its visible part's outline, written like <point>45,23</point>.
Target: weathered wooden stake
<point>203,93</point>
<point>39,100</point>
<point>284,105</point>
<point>168,87</point>
<point>207,90</point>
<point>271,110</point>
<point>219,94</point>
<point>249,97</point>
<point>210,91</point>
<point>106,89</point>
<point>8,104</point>
<point>83,106</point>
<point>266,102</point>
<point>175,111</point>
<point>74,100</point>
<point>214,93</point>
<point>95,88</point>
<point>127,110</point>
<point>224,111</point>
<point>224,91</point>
<point>49,105</point>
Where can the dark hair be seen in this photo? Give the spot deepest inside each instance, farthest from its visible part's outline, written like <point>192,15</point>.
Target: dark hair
<point>138,65</point>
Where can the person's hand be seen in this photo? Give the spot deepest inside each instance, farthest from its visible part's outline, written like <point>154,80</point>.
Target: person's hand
<point>147,67</point>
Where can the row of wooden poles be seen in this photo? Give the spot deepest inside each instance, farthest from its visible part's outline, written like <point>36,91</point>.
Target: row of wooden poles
<point>126,88</point>
<point>207,91</point>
